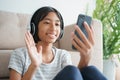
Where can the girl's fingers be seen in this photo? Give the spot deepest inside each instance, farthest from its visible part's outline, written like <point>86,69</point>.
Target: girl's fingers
<point>77,47</point>
<point>78,42</point>
<point>92,36</point>
<point>82,36</point>
<point>89,30</point>
<point>29,39</point>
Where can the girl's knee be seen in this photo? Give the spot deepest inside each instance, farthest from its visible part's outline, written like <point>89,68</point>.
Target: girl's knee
<point>87,71</point>
<point>73,72</point>
<point>71,68</point>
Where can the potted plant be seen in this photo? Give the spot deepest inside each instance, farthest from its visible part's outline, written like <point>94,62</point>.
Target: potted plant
<point>108,11</point>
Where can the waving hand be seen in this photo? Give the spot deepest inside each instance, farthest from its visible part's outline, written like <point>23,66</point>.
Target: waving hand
<point>34,52</point>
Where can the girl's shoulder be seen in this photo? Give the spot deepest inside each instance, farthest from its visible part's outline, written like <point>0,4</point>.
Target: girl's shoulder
<point>20,51</point>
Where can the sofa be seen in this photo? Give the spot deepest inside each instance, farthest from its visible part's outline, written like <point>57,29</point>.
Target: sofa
<point>14,25</point>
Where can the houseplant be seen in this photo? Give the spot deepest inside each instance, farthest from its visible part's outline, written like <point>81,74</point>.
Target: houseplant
<point>108,11</point>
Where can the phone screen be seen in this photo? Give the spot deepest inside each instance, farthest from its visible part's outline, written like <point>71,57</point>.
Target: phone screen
<point>81,19</point>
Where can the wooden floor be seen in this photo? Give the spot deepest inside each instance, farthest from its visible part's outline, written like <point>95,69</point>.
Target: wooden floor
<point>118,73</point>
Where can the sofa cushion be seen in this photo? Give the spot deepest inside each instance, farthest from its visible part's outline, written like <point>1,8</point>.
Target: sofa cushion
<point>12,29</point>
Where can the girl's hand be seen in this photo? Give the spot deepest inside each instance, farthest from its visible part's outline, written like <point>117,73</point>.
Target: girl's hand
<point>34,52</point>
<point>85,46</point>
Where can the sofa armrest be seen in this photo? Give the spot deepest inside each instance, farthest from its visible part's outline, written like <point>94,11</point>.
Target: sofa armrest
<point>4,61</point>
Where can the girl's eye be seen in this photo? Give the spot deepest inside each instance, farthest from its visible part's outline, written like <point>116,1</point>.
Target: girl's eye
<point>57,24</point>
<point>46,23</point>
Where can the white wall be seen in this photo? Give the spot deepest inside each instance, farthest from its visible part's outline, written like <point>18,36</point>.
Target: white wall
<point>68,8</point>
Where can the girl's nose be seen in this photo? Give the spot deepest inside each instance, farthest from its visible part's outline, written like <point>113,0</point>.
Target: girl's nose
<point>53,26</point>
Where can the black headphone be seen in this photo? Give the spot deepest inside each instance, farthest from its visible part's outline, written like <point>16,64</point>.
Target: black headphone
<point>38,16</point>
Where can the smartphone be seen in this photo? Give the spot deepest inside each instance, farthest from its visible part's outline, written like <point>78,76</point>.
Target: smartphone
<point>80,20</point>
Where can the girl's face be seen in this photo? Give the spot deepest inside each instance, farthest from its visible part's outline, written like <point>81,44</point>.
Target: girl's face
<point>49,28</point>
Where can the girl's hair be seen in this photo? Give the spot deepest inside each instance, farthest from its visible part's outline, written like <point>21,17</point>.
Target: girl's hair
<point>38,16</point>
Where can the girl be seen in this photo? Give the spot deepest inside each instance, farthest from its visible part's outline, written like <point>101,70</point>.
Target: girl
<point>40,60</point>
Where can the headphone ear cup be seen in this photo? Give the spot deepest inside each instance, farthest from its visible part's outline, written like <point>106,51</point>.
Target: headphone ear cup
<point>61,34</point>
<point>32,29</point>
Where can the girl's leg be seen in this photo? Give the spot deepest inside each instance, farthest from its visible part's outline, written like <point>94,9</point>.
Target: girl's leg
<point>92,73</point>
<point>69,73</point>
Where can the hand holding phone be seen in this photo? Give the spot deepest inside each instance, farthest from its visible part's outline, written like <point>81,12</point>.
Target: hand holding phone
<point>81,19</point>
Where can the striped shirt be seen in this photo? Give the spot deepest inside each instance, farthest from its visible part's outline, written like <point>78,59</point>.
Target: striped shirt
<point>20,62</point>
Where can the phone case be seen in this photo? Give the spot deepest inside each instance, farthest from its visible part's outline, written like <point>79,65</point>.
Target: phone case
<point>81,19</point>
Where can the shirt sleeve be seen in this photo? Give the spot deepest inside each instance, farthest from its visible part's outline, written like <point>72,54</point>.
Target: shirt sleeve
<point>17,61</point>
<point>66,59</point>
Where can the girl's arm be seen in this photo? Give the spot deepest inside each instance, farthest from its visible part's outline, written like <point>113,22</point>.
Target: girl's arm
<point>14,75</point>
<point>85,46</point>
<point>35,55</point>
